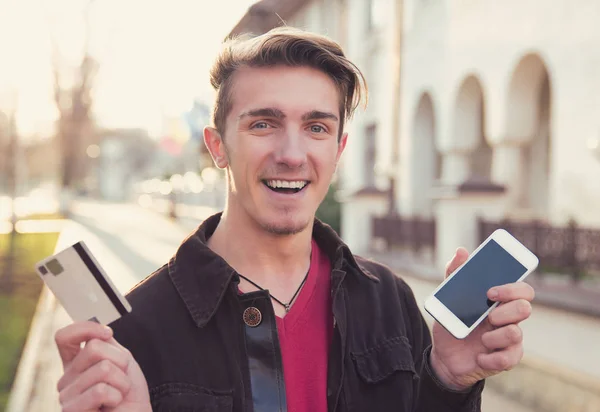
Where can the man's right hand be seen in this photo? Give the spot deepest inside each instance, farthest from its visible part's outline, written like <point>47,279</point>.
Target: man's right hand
<point>101,376</point>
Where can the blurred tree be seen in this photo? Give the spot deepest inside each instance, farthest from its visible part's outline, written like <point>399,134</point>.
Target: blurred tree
<point>4,148</point>
<point>73,99</point>
<point>330,210</point>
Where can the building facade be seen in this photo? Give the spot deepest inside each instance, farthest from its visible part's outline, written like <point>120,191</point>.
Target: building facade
<point>504,97</point>
<point>499,112</point>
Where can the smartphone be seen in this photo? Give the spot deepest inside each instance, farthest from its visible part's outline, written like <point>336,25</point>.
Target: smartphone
<point>460,303</point>
<point>81,286</point>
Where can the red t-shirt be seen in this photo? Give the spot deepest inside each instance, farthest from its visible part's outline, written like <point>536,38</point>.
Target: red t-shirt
<point>304,335</point>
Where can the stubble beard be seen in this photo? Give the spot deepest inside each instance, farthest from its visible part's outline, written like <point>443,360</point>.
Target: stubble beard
<point>284,230</point>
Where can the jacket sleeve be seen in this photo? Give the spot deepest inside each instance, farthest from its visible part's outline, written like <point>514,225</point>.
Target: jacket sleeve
<point>432,395</point>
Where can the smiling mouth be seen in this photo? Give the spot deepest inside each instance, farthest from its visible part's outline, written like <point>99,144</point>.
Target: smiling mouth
<point>286,186</point>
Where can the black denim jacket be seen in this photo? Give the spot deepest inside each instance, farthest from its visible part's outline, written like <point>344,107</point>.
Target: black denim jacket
<point>188,334</point>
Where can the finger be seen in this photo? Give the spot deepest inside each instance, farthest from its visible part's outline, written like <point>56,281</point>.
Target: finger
<point>69,339</point>
<point>114,342</point>
<point>502,338</point>
<point>459,258</point>
<point>502,360</point>
<point>103,372</point>
<point>510,312</point>
<point>512,291</point>
<point>94,352</point>
<point>99,395</point>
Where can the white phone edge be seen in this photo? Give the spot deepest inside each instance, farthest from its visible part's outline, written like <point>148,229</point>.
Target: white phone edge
<point>445,317</point>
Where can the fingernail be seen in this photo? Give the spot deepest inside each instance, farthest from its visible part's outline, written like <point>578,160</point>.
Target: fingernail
<point>493,293</point>
<point>107,331</point>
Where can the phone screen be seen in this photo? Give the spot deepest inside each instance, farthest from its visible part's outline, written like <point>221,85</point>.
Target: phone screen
<point>465,294</point>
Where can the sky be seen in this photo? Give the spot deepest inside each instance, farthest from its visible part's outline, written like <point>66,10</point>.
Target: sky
<point>154,56</point>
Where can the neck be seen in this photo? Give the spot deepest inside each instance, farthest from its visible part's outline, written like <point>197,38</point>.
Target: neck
<point>272,261</point>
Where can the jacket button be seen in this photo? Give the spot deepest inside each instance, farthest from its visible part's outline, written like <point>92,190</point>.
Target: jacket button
<point>252,317</point>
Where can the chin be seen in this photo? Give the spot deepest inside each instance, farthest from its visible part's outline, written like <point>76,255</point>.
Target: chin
<point>286,227</point>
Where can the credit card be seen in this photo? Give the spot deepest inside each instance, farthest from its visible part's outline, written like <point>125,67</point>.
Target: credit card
<point>81,286</point>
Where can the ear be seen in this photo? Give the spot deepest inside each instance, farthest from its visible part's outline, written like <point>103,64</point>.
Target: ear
<point>216,147</point>
<point>341,147</point>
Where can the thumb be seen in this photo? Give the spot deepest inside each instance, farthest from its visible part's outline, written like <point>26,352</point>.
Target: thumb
<point>69,339</point>
<point>460,256</point>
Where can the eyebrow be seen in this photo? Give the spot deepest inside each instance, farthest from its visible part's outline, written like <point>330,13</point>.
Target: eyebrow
<point>265,112</point>
<point>318,115</point>
<point>278,114</point>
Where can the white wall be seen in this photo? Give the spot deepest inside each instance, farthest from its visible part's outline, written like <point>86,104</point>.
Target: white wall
<point>422,165</point>
<point>448,40</point>
<point>356,221</point>
<point>371,51</point>
<point>320,16</point>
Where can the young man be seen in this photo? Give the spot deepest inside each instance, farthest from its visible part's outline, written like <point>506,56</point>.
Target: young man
<point>264,308</point>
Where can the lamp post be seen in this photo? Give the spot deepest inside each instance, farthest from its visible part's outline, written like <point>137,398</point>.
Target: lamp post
<point>13,152</point>
<point>12,175</point>
<point>397,98</point>
<point>389,172</point>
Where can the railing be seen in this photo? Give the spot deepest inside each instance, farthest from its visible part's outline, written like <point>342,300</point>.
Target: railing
<point>570,249</point>
<point>415,233</point>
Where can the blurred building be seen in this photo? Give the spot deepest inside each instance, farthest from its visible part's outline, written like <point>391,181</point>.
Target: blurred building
<point>497,117</point>
<point>196,118</point>
<point>30,161</point>
<point>121,158</point>
<point>42,161</point>
<point>325,17</point>
<point>182,142</point>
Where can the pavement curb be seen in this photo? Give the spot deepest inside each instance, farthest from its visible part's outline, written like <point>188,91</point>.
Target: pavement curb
<point>24,383</point>
<point>32,357</point>
<point>546,387</point>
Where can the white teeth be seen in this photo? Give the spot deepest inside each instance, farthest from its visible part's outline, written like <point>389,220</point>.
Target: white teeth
<point>286,184</point>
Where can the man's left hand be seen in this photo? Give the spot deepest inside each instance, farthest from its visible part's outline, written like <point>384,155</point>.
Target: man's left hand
<point>496,345</point>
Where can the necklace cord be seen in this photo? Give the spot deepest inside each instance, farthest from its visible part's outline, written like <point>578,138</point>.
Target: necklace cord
<point>286,306</point>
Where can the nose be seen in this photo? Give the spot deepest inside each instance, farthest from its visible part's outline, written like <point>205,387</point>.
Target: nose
<point>291,150</point>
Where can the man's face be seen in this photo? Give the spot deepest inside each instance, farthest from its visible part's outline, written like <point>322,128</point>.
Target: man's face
<point>281,145</point>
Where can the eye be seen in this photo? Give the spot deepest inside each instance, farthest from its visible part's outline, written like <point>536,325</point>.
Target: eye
<point>315,128</point>
<point>260,125</point>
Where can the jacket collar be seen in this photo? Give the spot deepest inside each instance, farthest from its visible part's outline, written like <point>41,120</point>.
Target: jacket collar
<point>201,277</point>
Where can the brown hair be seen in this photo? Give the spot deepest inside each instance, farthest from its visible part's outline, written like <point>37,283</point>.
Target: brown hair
<point>286,46</point>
